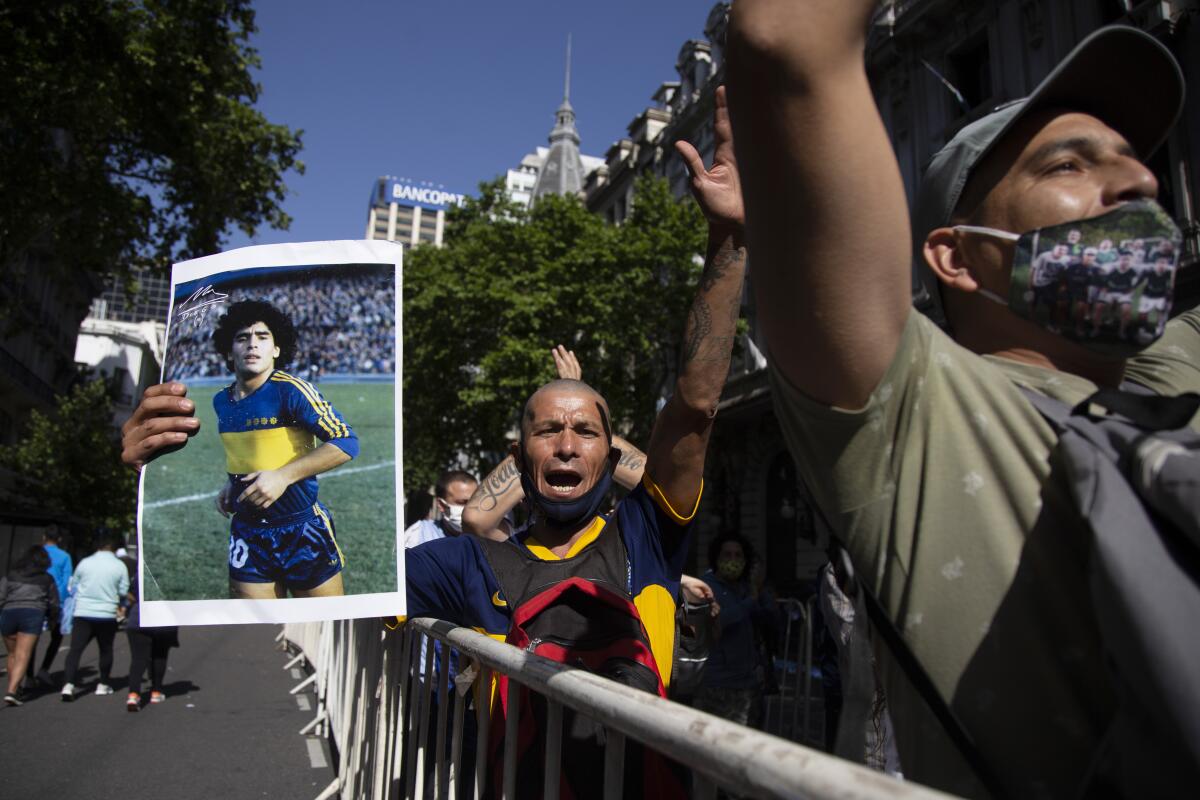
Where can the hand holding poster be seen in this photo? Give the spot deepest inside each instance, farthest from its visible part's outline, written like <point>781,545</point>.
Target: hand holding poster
<point>284,507</point>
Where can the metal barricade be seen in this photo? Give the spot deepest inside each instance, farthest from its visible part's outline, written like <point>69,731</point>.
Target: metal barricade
<point>374,701</point>
<point>790,714</point>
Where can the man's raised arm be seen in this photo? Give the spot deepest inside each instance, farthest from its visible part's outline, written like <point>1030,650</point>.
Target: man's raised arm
<point>826,213</point>
<point>675,456</point>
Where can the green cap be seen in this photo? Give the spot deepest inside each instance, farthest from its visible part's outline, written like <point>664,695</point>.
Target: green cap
<point>1118,74</point>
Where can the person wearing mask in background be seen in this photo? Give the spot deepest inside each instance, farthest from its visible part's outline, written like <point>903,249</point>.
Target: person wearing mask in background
<point>28,597</point>
<point>99,583</point>
<point>453,489</point>
<point>734,675</point>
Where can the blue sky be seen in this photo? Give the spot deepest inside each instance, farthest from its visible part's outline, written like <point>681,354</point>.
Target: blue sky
<point>448,91</point>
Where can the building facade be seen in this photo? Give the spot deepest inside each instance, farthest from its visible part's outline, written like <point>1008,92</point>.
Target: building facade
<point>990,51</point>
<point>149,300</point>
<point>128,355</point>
<point>409,212</point>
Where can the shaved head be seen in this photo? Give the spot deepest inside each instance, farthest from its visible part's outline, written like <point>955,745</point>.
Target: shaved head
<point>564,386</point>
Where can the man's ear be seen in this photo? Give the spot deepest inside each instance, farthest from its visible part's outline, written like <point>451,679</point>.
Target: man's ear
<point>943,253</point>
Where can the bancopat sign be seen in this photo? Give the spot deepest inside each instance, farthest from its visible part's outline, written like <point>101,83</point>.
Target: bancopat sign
<point>414,194</point>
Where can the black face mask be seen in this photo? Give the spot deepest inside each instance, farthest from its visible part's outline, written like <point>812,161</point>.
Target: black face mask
<point>568,513</point>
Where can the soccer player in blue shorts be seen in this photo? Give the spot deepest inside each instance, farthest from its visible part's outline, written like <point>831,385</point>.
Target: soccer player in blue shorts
<point>281,537</point>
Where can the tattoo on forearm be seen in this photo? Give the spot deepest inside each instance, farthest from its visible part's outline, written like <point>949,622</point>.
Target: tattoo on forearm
<point>717,267</point>
<point>699,325</point>
<point>495,486</point>
<point>631,460</point>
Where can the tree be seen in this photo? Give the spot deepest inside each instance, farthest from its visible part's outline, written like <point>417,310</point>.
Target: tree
<point>127,134</point>
<point>481,314</point>
<point>70,460</point>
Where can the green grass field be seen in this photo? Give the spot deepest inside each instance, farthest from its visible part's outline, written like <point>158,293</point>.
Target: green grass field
<point>185,541</point>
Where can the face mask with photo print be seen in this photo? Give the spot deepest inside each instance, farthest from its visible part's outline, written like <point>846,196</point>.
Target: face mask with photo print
<point>1066,282</point>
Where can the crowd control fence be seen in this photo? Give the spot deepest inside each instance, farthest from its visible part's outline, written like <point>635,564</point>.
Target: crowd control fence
<point>376,704</point>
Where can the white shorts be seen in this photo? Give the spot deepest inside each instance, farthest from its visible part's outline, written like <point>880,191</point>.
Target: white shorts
<point>1148,304</point>
<point>1120,298</point>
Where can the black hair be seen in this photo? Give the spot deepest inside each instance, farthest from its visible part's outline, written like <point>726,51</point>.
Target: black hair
<point>108,538</point>
<point>714,547</point>
<point>242,315</point>
<point>450,476</point>
<point>51,536</point>
<point>35,559</point>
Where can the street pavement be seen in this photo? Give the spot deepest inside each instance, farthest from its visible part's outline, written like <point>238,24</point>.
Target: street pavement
<point>228,729</point>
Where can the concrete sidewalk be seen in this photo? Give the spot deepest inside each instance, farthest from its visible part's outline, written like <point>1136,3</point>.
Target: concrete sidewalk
<point>227,730</point>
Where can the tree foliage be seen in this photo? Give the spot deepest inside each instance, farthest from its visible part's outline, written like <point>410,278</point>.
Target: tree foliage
<point>69,461</point>
<point>128,136</point>
<point>481,314</point>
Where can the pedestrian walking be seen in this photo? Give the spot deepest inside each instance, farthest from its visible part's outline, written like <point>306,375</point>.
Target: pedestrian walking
<point>99,583</point>
<point>28,595</point>
<point>148,648</point>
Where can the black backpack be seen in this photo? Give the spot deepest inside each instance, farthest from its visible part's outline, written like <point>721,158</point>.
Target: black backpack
<point>577,611</point>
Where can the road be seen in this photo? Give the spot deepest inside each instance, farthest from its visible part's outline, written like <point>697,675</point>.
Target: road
<point>227,730</point>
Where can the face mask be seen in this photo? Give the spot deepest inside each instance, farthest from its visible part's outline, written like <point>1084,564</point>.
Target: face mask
<point>1114,301</point>
<point>731,569</point>
<point>452,516</point>
<point>568,513</point>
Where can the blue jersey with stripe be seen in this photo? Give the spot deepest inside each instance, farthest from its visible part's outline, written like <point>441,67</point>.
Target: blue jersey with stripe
<point>451,578</point>
<point>273,426</point>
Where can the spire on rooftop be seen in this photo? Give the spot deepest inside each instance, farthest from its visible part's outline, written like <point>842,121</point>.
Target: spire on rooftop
<point>562,172</point>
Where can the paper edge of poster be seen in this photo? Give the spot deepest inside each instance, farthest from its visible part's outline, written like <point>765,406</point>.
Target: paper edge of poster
<point>216,612</point>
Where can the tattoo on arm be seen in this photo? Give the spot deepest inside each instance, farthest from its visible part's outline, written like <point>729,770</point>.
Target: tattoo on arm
<point>700,316</point>
<point>631,461</point>
<point>495,486</point>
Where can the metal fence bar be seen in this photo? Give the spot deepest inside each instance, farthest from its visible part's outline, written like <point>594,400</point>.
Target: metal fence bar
<point>614,765</point>
<point>443,700</point>
<point>553,772</point>
<point>367,696</point>
<point>456,741</point>
<point>511,720</point>
<point>422,748</point>
<point>483,704</point>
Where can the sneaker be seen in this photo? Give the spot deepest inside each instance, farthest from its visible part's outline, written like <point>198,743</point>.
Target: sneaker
<point>133,703</point>
<point>157,697</point>
<point>103,688</point>
<point>12,699</point>
<point>68,692</point>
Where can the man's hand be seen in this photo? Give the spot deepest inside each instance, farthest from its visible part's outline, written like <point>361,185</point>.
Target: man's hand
<point>162,420</point>
<point>566,364</point>
<point>265,488</point>
<point>675,455</point>
<point>717,190</point>
<point>225,499</point>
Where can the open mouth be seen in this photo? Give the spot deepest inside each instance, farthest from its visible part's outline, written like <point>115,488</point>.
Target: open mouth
<point>562,482</point>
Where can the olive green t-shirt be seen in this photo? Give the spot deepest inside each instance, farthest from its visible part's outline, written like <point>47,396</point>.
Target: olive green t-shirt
<point>944,491</point>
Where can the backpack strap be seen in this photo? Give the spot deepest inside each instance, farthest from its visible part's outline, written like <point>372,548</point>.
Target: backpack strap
<point>921,681</point>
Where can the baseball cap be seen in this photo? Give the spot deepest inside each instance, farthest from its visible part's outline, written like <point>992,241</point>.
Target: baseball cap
<point>1118,74</point>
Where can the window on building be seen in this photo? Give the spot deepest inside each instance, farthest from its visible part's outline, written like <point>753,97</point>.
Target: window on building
<point>970,70</point>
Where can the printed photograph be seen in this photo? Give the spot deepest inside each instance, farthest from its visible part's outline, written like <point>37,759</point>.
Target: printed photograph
<point>289,490</point>
<point>1098,279</point>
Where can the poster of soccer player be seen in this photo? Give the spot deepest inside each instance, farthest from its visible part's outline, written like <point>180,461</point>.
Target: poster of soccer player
<point>284,506</point>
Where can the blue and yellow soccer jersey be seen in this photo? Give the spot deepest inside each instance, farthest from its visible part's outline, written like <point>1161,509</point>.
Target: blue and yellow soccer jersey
<point>451,578</point>
<point>272,427</point>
